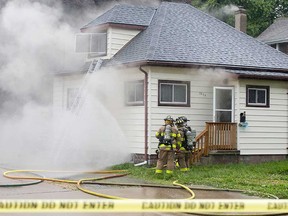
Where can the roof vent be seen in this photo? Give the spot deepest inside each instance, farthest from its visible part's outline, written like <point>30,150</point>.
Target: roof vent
<point>241,19</point>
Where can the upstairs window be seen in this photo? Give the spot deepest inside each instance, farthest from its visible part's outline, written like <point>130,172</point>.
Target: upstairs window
<point>134,93</point>
<point>173,93</point>
<point>283,47</point>
<point>92,43</point>
<point>257,96</point>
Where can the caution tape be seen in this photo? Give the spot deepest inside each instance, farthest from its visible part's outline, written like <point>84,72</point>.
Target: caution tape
<point>142,205</point>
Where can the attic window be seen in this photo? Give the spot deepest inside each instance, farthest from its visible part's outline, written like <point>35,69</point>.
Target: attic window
<point>283,47</point>
<point>92,43</point>
<point>257,96</point>
<point>134,93</point>
<point>173,93</point>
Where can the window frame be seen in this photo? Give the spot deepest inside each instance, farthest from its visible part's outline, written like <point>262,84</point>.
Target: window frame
<point>173,83</point>
<point>73,98</point>
<point>258,88</point>
<point>92,40</point>
<point>135,102</point>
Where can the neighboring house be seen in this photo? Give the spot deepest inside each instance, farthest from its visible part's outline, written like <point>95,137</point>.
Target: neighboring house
<point>176,60</point>
<point>276,35</point>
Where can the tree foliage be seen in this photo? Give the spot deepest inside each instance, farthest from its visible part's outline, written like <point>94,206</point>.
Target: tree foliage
<point>260,13</point>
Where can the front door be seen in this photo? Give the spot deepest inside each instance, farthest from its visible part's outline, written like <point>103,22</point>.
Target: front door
<point>223,104</point>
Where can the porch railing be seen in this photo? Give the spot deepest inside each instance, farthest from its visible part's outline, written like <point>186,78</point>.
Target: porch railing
<point>216,136</point>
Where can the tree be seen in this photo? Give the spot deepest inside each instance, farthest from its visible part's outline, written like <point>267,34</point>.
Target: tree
<point>260,13</point>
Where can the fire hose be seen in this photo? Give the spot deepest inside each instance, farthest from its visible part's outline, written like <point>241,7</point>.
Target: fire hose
<point>36,178</point>
<point>81,182</point>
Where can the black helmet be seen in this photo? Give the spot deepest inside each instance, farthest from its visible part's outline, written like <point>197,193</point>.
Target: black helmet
<point>169,118</point>
<point>184,118</point>
<point>179,121</point>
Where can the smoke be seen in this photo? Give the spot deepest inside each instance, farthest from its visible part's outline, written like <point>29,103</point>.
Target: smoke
<point>229,9</point>
<point>37,40</point>
<point>32,48</point>
<point>222,13</point>
<point>91,130</point>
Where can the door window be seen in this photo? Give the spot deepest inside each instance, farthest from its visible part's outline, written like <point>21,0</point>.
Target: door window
<point>223,104</point>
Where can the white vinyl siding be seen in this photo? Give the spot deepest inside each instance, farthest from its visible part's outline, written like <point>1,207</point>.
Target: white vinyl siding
<point>267,131</point>
<point>130,118</point>
<point>201,99</point>
<point>117,38</point>
<point>57,95</point>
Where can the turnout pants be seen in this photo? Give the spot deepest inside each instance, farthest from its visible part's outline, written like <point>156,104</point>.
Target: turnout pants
<point>166,155</point>
<point>180,156</point>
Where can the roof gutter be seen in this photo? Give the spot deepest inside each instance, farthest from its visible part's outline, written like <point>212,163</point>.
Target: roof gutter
<point>265,77</point>
<point>104,26</point>
<point>196,64</point>
<point>145,112</point>
<point>275,41</point>
<point>199,65</point>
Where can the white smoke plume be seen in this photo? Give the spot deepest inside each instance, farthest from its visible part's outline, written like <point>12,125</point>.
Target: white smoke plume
<point>222,12</point>
<point>36,42</point>
<point>33,47</point>
<point>229,9</point>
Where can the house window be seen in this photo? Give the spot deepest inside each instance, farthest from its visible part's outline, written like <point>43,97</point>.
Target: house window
<point>73,98</point>
<point>283,47</point>
<point>173,93</point>
<point>134,92</point>
<point>257,96</point>
<point>92,43</point>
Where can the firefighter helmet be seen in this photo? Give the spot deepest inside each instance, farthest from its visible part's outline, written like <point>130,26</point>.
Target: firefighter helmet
<point>179,121</point>
<point>169,118</point>
<point>184,118</point>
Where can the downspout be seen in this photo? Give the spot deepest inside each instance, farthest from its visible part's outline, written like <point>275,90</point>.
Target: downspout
<point>145,116</point>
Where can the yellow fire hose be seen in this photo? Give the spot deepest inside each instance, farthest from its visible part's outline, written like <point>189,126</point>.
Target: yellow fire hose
<point>81,182</point>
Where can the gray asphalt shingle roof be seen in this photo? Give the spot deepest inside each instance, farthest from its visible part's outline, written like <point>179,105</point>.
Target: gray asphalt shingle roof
<point>277,32</point>
<point>179,33</point>
<point>126,15</point>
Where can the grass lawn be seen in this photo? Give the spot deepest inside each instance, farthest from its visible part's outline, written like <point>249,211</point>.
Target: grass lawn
<point>256,179</point>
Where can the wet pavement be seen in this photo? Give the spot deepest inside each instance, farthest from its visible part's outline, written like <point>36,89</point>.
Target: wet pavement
<point>55,190</point>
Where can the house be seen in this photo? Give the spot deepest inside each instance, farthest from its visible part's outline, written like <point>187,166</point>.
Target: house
<point>176,60</point>
<point>276,35</point>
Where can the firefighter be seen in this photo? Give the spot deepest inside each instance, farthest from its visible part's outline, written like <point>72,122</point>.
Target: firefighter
<point>185,120</point>
<point>182,151</point>
<point>189,140</point>
<point>167,136</point>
